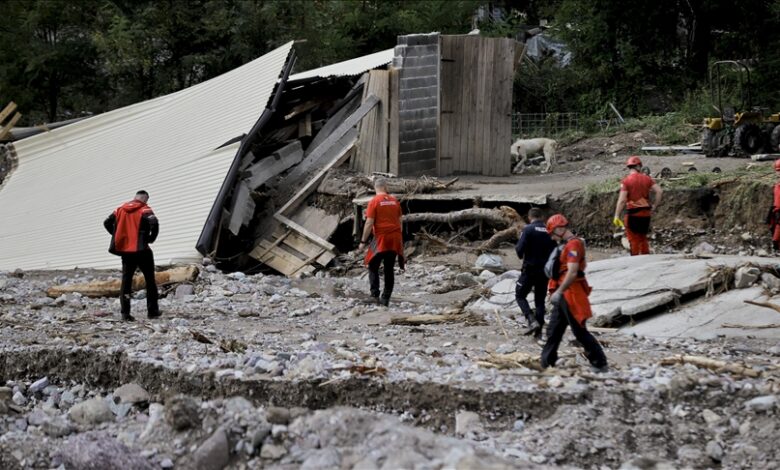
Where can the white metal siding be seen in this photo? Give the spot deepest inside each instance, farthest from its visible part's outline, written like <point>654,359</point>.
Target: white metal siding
<point>68,180</point>
<point>349,67</point>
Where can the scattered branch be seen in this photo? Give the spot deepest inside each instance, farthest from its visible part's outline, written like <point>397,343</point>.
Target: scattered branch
<point>711,364</point>
<point>774,307</point>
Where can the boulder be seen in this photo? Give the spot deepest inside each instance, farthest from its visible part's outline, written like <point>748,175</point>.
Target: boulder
<point>213,453</point>
<point>764,403</point>
<point>746,276</point>
<point>182,412</point>
<point>91,412</point>
<point>488,261</point>
<point>131,393</point>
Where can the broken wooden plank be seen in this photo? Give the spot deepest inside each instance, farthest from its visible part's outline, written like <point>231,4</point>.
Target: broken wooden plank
<point>313,237</point>
<point>9,108</point>
<point>393,126</point>
<point>242,210</point>
<point>316,220</point>
<point>301,245</point>
<point>304,126</point>
<point>333,122</point>
<point>113,287</point>
<point>7,128</point>
<point>274,164</point>
<point>370,102</point>
<point>280,259</point>
<point>371,146</point>
<point>338,152</point>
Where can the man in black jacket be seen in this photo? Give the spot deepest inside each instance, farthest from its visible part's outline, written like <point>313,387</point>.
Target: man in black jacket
<point>133,226</point>
<point>533,247</point>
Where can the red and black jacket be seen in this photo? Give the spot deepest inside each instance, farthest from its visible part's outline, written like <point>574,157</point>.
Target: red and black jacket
<point>133,226</point>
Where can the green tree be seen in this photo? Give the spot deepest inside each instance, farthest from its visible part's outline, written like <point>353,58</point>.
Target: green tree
<point>48,62</point>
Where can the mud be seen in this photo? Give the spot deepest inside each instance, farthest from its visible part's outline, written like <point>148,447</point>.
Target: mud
<point>718,215</point>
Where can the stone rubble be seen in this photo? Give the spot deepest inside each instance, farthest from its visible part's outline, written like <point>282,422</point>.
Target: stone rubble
<point>176,402</point>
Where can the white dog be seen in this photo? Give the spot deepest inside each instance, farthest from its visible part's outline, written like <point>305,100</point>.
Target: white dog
<point>523,148</point>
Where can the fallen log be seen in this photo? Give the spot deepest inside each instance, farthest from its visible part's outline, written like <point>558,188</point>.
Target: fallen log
<point>711,364</point>
<point>506,235</point>
<point>112,287</point>
<point>432,319</point>
<point>410,186</point>
<point>511,361</point>
<point>502,216</point>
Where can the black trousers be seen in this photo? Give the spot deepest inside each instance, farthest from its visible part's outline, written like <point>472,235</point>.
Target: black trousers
<point>387,258</point>
<point>532,278</point>
<point>560,318</point>
<point>143,260</point>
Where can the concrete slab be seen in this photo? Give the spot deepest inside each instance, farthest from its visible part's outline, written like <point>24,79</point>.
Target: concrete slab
<point>705,319</point>
<point>627,286</point>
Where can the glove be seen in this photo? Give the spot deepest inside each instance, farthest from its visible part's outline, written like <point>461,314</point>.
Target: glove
<point>556,297</point>
<point>617,222</point>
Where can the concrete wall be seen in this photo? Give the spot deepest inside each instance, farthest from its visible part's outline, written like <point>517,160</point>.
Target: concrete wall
<point>417,56</point>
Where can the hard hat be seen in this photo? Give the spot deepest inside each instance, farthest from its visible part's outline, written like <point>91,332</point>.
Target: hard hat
<point>777,165</point>
<point>634,161</point>
<point>555,221</point>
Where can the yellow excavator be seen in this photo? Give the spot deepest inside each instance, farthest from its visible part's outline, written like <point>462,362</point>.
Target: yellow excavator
<point>742,131</point>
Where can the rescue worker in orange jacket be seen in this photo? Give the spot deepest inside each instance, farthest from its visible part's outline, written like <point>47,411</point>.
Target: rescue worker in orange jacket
<point>635,198</point>
<point>773,218</point>
<point>569,291</point>
<point>383,219</point>
<point>133,226</point>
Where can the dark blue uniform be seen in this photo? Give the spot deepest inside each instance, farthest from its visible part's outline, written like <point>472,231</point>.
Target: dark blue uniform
<point>534,248</point>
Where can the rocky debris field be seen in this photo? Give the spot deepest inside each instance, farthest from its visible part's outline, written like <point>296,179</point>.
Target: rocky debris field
<point>259,371</point>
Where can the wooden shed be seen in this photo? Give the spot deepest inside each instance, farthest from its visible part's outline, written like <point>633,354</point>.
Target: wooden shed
<point>445,108</point>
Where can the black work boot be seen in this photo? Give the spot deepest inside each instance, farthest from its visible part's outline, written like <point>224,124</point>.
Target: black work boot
<point>384,301</point>
<point>155,314</point>
<point>127,317</point>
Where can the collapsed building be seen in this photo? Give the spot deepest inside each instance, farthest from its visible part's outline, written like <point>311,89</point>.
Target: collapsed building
<point>232,185</point>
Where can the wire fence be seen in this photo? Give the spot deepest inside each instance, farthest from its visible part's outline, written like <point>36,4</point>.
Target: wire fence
<point>529,125</point>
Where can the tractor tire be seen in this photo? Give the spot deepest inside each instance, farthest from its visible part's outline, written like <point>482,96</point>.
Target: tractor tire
<point>715,143</point>
<point>748,139</point>
<point>774,139</point>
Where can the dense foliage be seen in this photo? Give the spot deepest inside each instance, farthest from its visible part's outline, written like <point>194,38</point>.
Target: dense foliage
<point>66,58</point>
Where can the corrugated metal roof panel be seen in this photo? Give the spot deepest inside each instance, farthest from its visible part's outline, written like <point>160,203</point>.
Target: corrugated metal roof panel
<point>349,67</point>
<point>70,179</point>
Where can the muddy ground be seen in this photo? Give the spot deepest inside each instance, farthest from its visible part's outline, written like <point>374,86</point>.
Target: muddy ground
<point>260,371</point>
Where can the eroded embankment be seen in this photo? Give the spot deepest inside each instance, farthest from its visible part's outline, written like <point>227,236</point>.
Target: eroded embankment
<point>109,370</point>
<point>720,208</point>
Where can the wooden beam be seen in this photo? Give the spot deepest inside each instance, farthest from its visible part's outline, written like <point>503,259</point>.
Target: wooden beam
<point>243,208</point>
<point>304,126</point>
<point>10,108</point>
<point>333,122</point>
<point>305,232</point>
<point>274,164</point>
<point>337,152</point>
<point>7,129</point>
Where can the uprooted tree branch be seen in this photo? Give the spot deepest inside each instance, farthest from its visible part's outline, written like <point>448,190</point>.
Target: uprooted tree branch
<point>504,216</point>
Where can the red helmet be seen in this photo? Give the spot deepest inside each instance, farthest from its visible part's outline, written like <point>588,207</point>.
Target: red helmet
<point>555,221</point>
<point>634,161</point>
<point>777,165</point>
